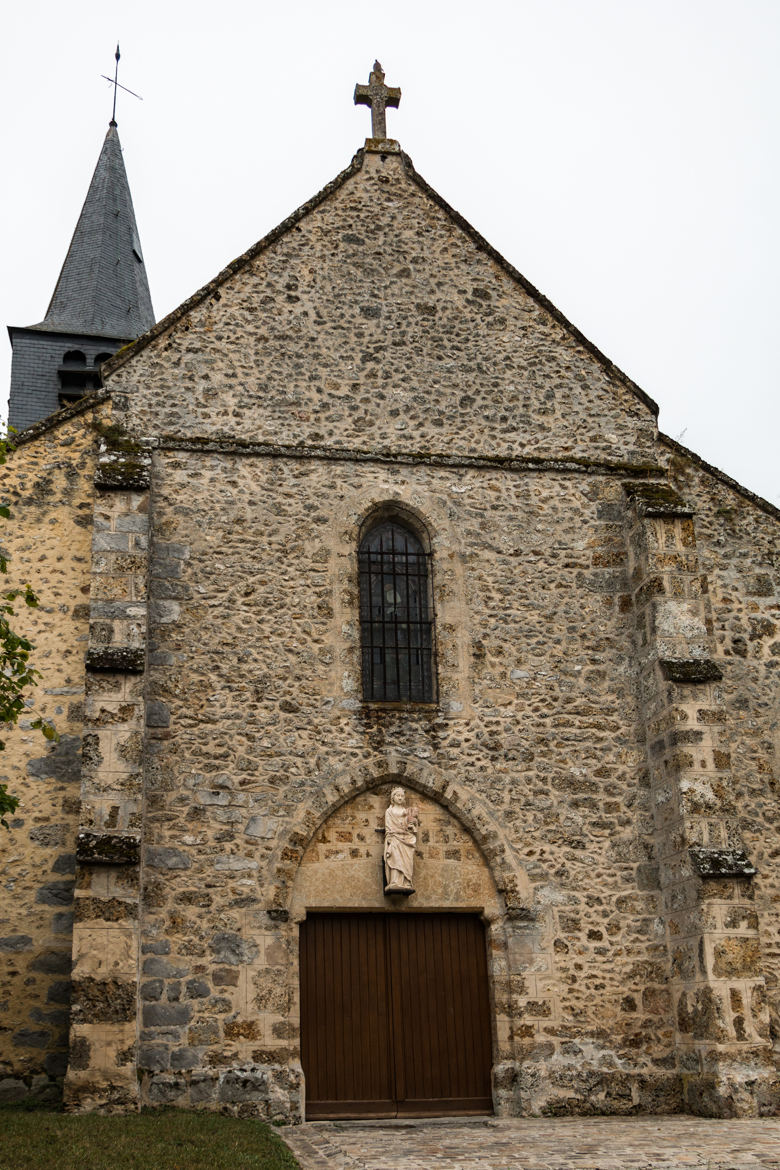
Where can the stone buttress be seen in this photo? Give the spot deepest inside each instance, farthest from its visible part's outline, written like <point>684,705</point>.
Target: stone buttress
<point>102,1069</point>
<point>719,996</point>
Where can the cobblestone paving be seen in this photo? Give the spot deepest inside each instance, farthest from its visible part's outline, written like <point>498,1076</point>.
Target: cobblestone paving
<point>593,1143</point>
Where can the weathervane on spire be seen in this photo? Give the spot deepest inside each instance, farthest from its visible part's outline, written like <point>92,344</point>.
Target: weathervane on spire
<point>378,96</point>
<point>113,81</point>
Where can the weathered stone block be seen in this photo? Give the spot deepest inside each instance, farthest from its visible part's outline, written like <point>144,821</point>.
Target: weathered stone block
<point>228,947</point>
<point>736,958</point>
<point>721,863</point>
<point>103,1001</point>
<point>162,968</point>
<point>123,470</point>
<point>52,962</point>
<point>55,893</point>
<point>160,1015</point>
<point>657,499</point>
<point>62,762</point>
<point>89,909</point>
<point>15,943</point>
<point>196,989</point>
<point>108,848</point>
<point>154,1057</point>
<point>30,1038</point>
<point>117,659</point>
<point>12,1089</point>
<point>243,1086</point>
<point>62,923</point>
<point>203,1088</point>
<point>204,1032</point>
<point>166,857</point>
<point>165,1089</point>
<point>59,991</point>
<point>50,835</point>
<point>691,670</point>
<point>56,1065</point>
<point>262,828</point>
<point>224,977</point>
<point>185,1058</point>
<point>157,714</point>
<point>161,946</point>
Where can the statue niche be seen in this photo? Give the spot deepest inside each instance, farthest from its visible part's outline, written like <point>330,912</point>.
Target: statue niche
<point>345,867</point>
<point>401,823</point>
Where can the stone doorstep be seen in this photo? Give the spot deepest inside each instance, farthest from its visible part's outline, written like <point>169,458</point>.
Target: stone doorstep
<point>410,1122</point>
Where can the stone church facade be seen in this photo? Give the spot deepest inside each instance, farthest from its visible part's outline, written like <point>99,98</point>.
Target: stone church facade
<point>593,751</point>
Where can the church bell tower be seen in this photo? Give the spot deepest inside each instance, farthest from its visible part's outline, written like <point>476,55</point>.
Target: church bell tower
<point>101,300</point>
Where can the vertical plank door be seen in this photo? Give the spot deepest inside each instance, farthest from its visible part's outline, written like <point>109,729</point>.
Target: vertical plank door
<point>395,1019</point>
<point>440,1014</point>
<point>345,1028</point>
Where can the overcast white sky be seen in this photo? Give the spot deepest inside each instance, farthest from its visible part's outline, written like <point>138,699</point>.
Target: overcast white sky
<point>621,153</point>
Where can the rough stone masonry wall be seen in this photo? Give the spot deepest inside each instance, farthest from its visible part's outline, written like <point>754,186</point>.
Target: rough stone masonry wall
<point>48,482</point>
<point>376,323</point>
<point>738,550</point>
<point>716,981</point>
<point>375,326</point>
<point>256,680</point>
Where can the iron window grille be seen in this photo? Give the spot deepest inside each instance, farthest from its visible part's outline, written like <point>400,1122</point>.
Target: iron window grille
<point>396,621</point>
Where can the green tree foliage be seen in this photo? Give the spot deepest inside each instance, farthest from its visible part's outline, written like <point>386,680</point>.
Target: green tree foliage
<point>16,673</point>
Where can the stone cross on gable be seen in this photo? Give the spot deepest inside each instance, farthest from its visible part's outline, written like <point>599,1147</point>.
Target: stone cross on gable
<point>379,96</point>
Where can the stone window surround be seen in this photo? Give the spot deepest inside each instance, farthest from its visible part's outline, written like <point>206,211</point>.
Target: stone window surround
<point>411,524</point>
<point>447,598</point>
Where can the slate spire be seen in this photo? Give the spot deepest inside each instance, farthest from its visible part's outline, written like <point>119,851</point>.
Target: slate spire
<point>102,288</point>
<point>100,303</point>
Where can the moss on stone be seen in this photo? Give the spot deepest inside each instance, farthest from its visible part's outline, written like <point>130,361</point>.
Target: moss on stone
<point>108,849</point>
<point>691,670</point>
<point>124,659</point>
<point>657,499</point>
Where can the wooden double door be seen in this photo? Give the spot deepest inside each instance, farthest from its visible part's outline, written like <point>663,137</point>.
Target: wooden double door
<point>395,1018</point>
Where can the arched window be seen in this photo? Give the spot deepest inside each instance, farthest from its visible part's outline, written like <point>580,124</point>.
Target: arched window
<point>396,618</point>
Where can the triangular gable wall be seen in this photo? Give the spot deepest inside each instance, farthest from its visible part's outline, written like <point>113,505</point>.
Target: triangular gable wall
<point>374,318</point>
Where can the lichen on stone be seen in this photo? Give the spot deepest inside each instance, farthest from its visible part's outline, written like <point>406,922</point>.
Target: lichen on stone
<point>122,659</point>
<point>691,670</point>
<point>657,499</point>
<point>108,849</point>
<point>721,863</point>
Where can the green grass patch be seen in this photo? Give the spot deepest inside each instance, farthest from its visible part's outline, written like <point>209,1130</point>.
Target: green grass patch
<point>169,1139</point>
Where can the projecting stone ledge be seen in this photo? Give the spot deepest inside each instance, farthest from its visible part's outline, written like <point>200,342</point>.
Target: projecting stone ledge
<point>122,659</point>
<point>690,670</point>
<point>657,499</point>
<point>108,849</point>
<point>123,465</point>
<point>721,863</point>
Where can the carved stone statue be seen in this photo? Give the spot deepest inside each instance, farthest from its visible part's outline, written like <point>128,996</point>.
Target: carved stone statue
<point>400,839</point>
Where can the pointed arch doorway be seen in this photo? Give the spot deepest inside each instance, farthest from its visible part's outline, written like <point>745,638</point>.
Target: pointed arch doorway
<point>395,1015</point>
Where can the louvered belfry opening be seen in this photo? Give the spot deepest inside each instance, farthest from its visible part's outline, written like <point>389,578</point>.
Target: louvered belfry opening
<point>396,619</point>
